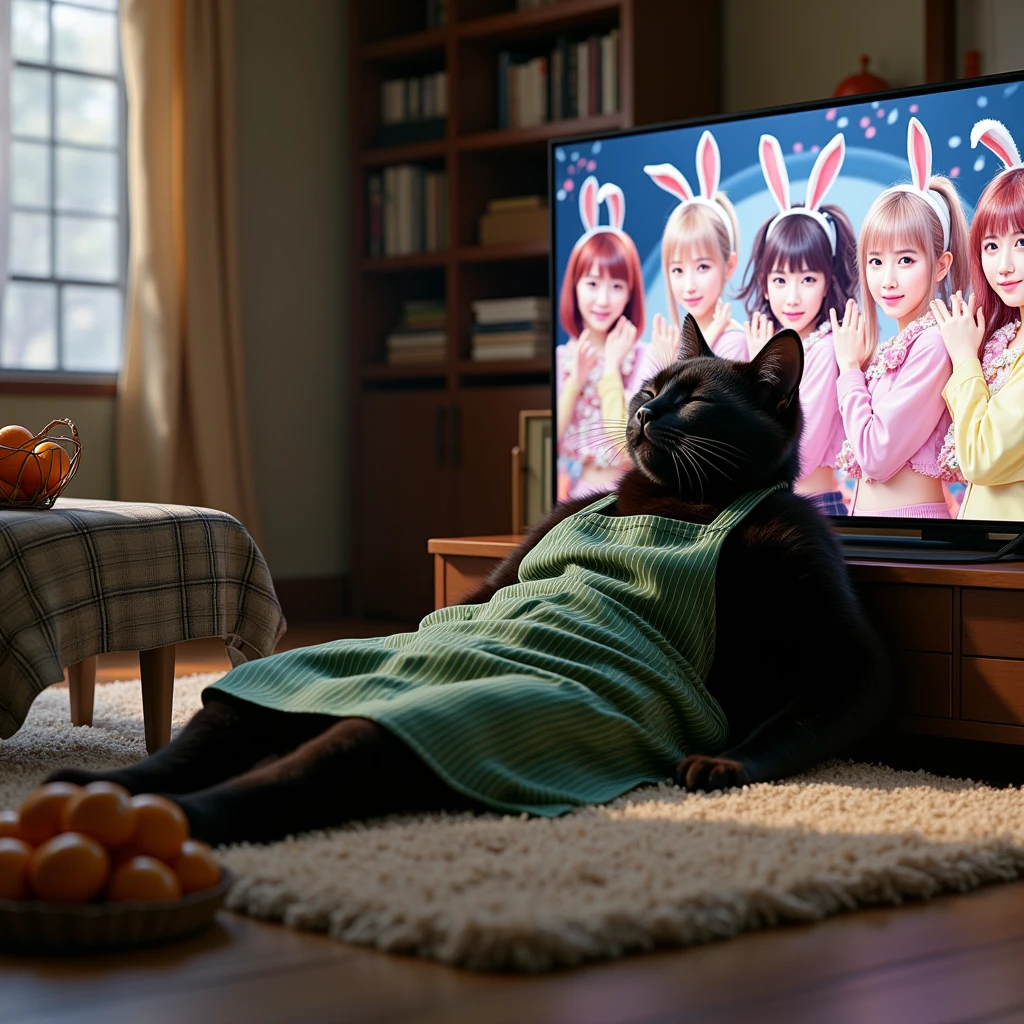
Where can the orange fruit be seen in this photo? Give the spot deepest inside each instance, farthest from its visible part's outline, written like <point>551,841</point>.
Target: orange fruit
<point>14,436</point>
<point>160,827</point>
<point>10,826</point>
<point>69,868</point>
<point>102,810</point>
<point>196,866</point>
<point>15,856</point>
<point>146,879</point>
<point>53,464</point>
<point>40,811</point>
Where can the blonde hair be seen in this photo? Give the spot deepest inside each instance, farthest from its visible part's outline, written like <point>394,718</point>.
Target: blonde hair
<point>694,225</point>
<point>899,220</point>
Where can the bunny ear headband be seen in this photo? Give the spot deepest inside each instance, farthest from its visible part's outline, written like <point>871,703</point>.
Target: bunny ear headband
<point>995,136</point>
<point>823,175</point>
<point>919,155</point>
<point>709,173</point>
<point>591,198</point>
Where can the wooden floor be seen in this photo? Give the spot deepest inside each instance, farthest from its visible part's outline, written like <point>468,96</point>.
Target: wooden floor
<point>958,958</point>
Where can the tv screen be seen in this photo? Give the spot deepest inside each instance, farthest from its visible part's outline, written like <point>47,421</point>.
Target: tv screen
<point>872,207</point>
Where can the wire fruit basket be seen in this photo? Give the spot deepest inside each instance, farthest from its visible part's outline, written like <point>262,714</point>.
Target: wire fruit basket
<point>34,473</point>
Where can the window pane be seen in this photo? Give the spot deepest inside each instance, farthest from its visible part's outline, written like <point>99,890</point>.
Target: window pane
<point>84,39</point>
<point>87,248</point>
<point>30,102</point>
<point>30,31</point>
<point>86,180</point>
<point>86,110</point>
<point>29,337</point>
<point>30,174</point>
<point>30,244</point>
<point>92,329</point>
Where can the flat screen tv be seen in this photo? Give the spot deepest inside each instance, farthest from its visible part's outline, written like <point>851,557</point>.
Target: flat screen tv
<point>770,219</point>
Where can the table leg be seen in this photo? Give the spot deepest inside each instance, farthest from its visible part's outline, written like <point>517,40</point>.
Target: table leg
<point>82,687</point>
<point>157,670</point>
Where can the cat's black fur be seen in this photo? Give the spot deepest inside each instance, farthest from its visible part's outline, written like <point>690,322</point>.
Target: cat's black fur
<point>798,671</point>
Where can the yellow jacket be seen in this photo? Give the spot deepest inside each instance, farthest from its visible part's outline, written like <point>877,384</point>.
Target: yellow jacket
<point>989,432</point>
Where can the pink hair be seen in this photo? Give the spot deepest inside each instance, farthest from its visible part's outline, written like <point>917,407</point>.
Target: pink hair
<point>615,252</point>
<point>1000,210</point>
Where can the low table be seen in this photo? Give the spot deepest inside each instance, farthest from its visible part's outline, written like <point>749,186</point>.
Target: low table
<point>955,633</point>
<point>87,577</point>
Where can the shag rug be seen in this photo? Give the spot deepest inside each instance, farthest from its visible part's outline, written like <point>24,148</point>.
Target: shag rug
<point>655,868</point>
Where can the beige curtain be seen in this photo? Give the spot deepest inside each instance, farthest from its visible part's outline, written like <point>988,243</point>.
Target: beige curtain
<point>182,432</point>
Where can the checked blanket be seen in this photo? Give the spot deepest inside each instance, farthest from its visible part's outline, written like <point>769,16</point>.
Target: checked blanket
<point>87,576</point>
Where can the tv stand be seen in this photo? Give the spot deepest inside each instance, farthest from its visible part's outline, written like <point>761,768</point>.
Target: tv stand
<point>936,544</point>
<point>953,631</point>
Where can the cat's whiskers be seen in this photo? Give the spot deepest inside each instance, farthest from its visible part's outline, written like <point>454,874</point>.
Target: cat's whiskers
<point>711,454</point>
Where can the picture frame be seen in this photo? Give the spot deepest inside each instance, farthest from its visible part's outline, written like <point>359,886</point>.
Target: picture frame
<point>531,470</point>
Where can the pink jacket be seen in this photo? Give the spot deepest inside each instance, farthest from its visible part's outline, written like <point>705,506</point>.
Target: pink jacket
<point>894,414</point>
<point>823,434</point>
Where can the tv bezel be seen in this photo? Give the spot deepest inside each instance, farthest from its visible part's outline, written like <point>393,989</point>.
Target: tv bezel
<point>937,527</point>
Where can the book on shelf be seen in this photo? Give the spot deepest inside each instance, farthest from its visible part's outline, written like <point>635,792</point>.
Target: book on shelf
<point>526,225</point>
<point>407,210</point>
<point>512,326</point>
<point>408,346</point>
<point>533,308</point>
<point>413,109</point>
<point>577,78</point>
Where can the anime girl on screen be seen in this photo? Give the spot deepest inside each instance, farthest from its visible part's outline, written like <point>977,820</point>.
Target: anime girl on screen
<point>698,256</point>
<point>913,243</point>
<point>601,308</point>
<point>802,264</point>
<point>985,394</point>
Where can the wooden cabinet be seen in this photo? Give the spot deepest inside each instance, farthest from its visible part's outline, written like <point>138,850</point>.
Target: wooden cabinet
<point>955,633</point>
<point>413,479</point>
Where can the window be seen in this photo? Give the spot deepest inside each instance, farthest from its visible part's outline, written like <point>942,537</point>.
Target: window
<point>64,299</point>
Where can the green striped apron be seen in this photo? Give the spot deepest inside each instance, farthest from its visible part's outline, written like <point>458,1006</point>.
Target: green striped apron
<point>572,686</point>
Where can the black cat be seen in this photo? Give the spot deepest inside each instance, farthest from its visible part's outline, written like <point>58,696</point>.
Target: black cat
<point>798,671</point>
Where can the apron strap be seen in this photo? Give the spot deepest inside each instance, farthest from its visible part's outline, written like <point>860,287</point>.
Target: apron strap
<point>742,506</point>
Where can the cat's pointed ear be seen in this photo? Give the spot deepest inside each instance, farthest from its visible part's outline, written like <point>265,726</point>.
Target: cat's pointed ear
<point>692,343</point>
<point>778,367</point>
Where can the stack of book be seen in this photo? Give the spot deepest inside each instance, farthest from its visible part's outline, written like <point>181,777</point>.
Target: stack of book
<point>420,336</point>
<point>413,109</point>
<point>578,78</point>
<point>518,328</point>
<point>515,219</point>
<point>408,211</point>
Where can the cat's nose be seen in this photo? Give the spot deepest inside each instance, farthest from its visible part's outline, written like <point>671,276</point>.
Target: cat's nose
<point>643,416</point>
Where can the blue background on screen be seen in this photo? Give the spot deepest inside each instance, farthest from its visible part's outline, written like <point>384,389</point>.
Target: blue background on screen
<point>876,148</point>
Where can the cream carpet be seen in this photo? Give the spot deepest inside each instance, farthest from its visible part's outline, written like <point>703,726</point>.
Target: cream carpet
<point>655,868</point>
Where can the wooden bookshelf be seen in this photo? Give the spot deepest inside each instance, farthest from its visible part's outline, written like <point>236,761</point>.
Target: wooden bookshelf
<point>431,442</point>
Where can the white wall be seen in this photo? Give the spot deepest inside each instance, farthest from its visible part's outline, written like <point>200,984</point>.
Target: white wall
<point>791,51</point>
<point>995,28</point>
<point>292,139</point>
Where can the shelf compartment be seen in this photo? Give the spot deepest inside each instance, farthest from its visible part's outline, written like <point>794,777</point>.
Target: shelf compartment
<point>539,134</point>
<point>410,261</point>
<point>563,16</point>
<point>412,44</point>
<point>504,251</point>
<point>379,156</point>
<point>412,371</point>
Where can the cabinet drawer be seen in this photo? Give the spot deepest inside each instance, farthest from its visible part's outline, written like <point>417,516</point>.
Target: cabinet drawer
<point>924,683</point>
<point>463,574</point>
<point>909,617</point>
<point>992,690</point>
<point>993,623</point>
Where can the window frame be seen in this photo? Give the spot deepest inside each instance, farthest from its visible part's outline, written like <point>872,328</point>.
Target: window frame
<point>62,381</point>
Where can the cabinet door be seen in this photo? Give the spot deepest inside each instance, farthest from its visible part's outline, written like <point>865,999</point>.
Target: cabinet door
<point>485,429</point>
<point>401,485</point>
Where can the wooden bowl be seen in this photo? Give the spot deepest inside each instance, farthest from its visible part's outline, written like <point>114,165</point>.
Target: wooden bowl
<point>36,925</point>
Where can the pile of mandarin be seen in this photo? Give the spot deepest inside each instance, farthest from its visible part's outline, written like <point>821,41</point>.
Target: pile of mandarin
<point>79,844</point>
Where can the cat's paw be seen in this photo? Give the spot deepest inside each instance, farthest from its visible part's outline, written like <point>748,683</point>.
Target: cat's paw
<point>700,772</point>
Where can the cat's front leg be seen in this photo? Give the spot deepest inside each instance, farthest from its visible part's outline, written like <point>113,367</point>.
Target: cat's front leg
<point>701,772</point>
